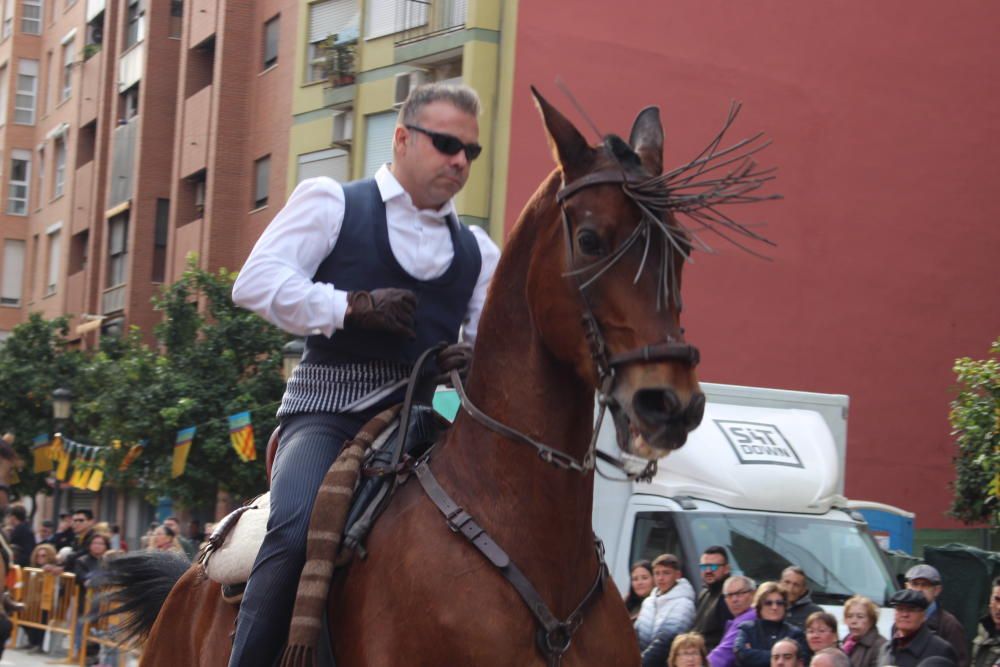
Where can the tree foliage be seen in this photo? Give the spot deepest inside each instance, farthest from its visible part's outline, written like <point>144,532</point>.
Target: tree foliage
<point>212,360</point>
<point>975,422</point>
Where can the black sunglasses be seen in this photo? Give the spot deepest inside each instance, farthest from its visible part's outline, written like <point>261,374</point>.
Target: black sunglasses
<point>449,144</point>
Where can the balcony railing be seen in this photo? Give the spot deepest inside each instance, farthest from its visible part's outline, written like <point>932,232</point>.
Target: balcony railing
<point>421,19</point>
<point>113,299</point>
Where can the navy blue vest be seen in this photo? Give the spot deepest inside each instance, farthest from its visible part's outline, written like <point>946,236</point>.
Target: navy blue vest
<point>362,260</point>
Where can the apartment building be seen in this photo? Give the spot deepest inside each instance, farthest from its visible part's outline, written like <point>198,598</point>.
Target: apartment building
<point>357,60</point>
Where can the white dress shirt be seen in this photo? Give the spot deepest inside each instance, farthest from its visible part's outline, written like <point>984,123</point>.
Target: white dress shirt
<point>276,280</point>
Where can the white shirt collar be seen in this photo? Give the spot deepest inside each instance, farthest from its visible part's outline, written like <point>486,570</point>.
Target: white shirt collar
<point>390,188</point>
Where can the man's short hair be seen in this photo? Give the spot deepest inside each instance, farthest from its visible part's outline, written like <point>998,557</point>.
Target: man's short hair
<point>717,551</point>
<point>839,658</point>
<point>85,512</point>
<point>18,512</point>
<point>667,560</point>
<point>48,524</point>
<point>171,518</point>
<point>996,582</point>
<point>460,96</point>
<point>65,515</point>
<point>795,569</point>
<point>787,640</point>
<point>741,580</point>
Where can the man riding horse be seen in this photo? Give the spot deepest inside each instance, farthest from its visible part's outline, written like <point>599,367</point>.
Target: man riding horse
<point>372,272</point>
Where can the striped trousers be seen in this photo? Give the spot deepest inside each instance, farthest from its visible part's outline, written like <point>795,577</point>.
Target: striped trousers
<point>309,445</point>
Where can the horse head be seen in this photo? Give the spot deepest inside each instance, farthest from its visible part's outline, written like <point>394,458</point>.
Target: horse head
<point>620,278</point>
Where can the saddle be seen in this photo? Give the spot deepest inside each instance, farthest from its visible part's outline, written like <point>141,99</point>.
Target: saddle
<point>230,552</point>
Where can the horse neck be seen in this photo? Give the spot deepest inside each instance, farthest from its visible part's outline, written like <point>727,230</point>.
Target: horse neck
<point>516,381</point>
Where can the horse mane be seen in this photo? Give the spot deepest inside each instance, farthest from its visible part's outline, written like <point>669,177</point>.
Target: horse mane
<point>140,583</point>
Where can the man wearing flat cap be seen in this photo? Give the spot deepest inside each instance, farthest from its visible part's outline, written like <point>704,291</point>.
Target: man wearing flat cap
<point>912,641</point>
<point>927,580</point>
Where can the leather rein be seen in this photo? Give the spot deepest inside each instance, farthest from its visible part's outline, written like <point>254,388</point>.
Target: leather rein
<point>554,637</point>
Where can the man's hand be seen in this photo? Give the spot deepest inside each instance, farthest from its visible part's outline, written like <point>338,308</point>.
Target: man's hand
<point>389,309</point>
<point>455,357</point>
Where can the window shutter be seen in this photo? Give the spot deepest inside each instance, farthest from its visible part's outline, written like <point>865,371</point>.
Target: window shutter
<point>13,272</point>
<point>333,163</point>
<point>378,140</point>
<point>332,17</point>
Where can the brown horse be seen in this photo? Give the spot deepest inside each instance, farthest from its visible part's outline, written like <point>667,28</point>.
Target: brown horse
<point>586,297</point>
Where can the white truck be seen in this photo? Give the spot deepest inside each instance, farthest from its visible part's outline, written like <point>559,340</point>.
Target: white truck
<point>763,476</point>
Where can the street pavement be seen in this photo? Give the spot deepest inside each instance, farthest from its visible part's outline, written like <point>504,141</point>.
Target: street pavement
<point>20,658</point>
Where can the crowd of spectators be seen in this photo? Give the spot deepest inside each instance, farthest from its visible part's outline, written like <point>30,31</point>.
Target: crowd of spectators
<point>733,621</point>
<point>79,544</point>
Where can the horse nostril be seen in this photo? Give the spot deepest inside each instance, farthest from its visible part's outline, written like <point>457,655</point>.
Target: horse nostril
<point>695,411</point>
<point>656,405</point>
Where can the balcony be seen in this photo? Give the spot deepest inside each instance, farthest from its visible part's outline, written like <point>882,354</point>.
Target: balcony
<point>83,191</point>
<point>76,301</point>
<point>186,241</point>
<point>194,149</point>
<point>113,299</point>
<point>204,15</point>
<point>417,20</point>
<point>90,86</point>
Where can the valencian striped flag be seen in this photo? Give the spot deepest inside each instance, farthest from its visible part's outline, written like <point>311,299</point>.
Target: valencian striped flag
<point>241,435</point>
<point>181,448</point>
<point>61,456</point>
<point>133,453</point>
<point>41,449</point>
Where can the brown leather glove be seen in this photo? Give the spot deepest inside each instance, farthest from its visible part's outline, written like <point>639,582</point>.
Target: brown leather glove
<point>457,356</point>
<point>389,309</point>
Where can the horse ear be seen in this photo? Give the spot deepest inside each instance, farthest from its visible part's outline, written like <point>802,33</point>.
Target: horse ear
<point>570,148</point>
<point>647,139</point>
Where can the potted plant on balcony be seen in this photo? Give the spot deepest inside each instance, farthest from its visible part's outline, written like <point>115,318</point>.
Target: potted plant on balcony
<point>340,60</point>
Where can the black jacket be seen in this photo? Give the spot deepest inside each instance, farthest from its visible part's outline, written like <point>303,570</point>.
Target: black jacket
<point>711,614</point>
<point>22,538</point>
<point>924,644</point>
<point>755,639</point>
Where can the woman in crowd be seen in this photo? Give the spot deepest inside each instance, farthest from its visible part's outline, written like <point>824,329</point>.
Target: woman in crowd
<point>863,643</point>
<point>165,539</point>
<point>42,555</point>
<point>688,650</point>
<point>755,638</point>
<point>642,586</point>
<point>821,631</point>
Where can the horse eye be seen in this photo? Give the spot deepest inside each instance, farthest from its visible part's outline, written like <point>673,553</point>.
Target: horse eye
<point>589,243</point>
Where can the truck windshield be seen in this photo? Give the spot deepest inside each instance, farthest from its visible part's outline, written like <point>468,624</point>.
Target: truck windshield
<point>840,558</point>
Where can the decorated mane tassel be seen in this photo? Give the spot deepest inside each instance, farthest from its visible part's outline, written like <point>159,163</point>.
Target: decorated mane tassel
<point>326,527</point>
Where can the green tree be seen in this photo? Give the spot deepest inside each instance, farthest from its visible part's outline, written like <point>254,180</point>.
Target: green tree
<point>975,423</point>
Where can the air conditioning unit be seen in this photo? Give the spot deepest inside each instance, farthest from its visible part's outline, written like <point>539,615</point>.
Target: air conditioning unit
<point>343,127</point>
<point>406,82</point>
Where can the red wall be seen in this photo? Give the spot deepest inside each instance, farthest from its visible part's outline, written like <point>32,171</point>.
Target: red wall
<point>886,118</point>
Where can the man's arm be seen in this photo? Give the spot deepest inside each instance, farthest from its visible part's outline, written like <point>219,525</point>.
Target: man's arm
<point>276,280</point>
<point>490,254</point>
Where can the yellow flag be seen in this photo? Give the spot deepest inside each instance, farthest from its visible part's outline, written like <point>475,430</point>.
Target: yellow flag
<point>63,468</point>
<point>96,479</point>
<point>182,446</point>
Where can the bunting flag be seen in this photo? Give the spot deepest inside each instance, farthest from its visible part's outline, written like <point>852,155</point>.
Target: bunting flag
<point>41,449</point>
<point>96,479</point>
<point>61,456</point>
<point>241,435</point>
<point>132,454</point>
<point>181,448</point>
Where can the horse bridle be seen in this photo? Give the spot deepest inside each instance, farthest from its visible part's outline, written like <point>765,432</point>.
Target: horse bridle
<point>670,349</point>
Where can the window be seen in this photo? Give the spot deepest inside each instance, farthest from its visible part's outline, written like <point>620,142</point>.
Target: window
<point>133,23</point>
<point>378,140</point>
<point>59,182</point>
<point>53,269</point>
<point>331,17</point>
<point>3,95</point>
<point>27,91</point>
<point>117,249</point>
<point>271,30</point>
<point>67,70</point>
<point>333,163</point>
<point>13,272</point>
<point>262,174</point>
<point>31,17</point>
<point>130,103</point>
<point>8,18</point>
<point>79,245</point>
<point>176,18</point>
<point>160,240</point>
<point>18,186</point>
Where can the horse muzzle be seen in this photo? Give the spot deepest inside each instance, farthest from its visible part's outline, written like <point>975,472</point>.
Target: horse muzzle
<point>658,421</point>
